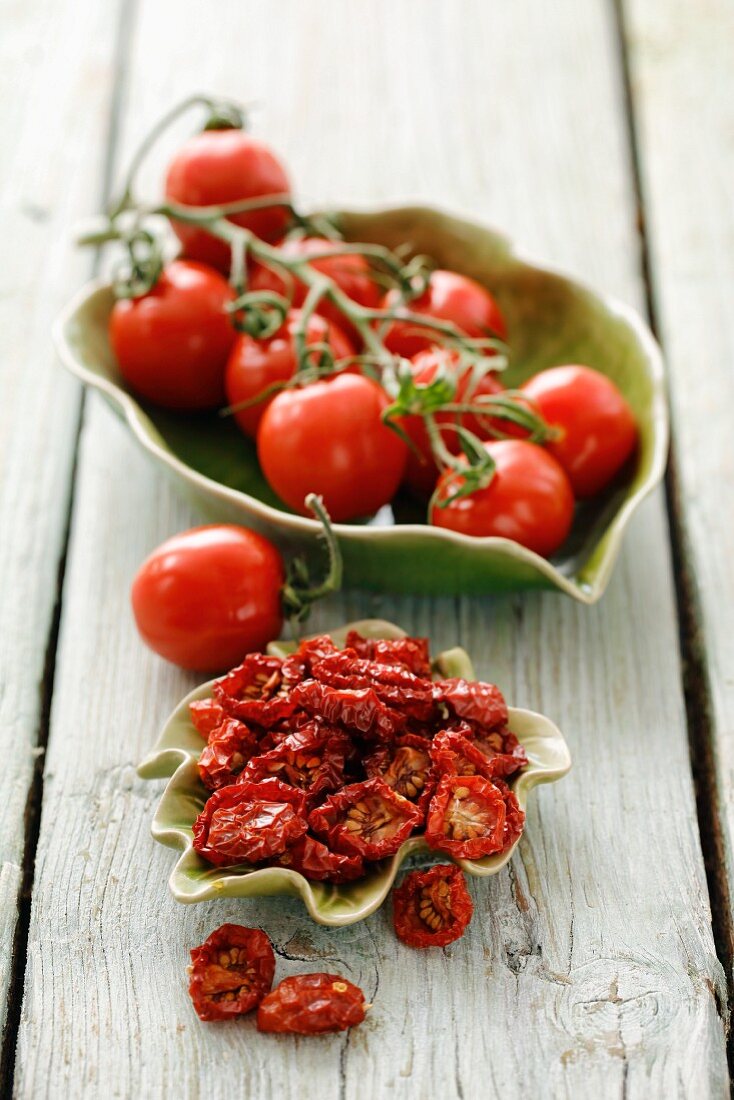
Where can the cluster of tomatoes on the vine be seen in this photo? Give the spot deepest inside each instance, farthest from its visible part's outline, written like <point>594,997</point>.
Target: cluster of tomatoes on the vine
<point>353,372</point>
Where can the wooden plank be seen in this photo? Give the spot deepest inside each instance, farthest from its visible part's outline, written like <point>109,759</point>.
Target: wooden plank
<point>590,967</point>
<point>680,59</point>
<point>52,153</point>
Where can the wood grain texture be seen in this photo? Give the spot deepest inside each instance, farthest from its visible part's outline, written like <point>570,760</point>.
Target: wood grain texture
<point>589,968</point>
<point>681,64</point>
<point>46,183</point>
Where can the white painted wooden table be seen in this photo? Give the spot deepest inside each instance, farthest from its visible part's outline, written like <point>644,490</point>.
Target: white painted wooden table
<point>600,136</point>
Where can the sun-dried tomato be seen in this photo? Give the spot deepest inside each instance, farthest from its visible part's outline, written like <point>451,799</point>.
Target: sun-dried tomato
<point>247,822</point>
<point>454,754</point>
<point>313,859</point>
<point>298,666</point>
<point>499,746</point>
<point>514,816</point>
<point>229,748</point>
<point>358,710</point>
<point>311,759</point>
<point>252,691</point>
<point>466,817</point>
<point>477,701</point>
<point>368,818</point>
<point>392,684</point>
<point>231,972</point>
<point>206,715</point>
<point>412,653</point>
<point>432,908</point>
<point>307,1004</point>
<point>406,766</point>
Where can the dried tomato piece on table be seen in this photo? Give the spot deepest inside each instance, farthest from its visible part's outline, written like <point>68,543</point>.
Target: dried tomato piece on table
<point>413,653</point>
<point>311,759</point>
<point>368,818</point>
<point>358,709</point>
<point>229,748</point>
<point>206,715</point>
<point>247,822</point>
<point>307,1004</point>
<point>231,972</point>
<point>466,817</point>
<point>252,691</point>
<point>407,767</point>
<point>432,908</point>
<point>474,700</point>
<point>313,859</point>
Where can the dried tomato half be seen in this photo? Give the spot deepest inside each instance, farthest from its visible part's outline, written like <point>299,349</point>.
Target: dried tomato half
<point>247,822</point>
<point>317,862</point>
<point>358,709</point>
<point>311,759</point>
<point>230,747</point>
<point>514,816</point>
<point>466,817</point>
<point>502,748</point>
<point>432,908</point>
<point>412,653</point>
<point>298,666</point>
<point>252,692</point>
<point>477,701</point>
<point>231,972</point>
<point>307,1004</point>
<point>206,715</point>
<point>454,754</point>
<point>368,818</point>
<point>406,766</point>
<point>392,684</point>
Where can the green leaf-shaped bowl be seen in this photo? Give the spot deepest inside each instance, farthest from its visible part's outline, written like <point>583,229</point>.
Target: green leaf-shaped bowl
<point>551,320</point>
<point>193,879</point>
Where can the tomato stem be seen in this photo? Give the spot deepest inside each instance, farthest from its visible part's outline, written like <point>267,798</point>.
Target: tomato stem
<point>299,594</point>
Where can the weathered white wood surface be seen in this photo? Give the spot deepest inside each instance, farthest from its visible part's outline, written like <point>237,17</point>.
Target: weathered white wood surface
<point>681,61</point>
<point>54,115</point>
<point>590,966</point>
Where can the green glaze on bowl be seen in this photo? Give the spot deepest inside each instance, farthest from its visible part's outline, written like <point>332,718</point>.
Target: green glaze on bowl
<point>551,320</point>
<point>193,879</point>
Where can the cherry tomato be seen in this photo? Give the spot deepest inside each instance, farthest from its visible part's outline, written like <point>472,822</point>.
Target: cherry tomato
<point>421,472</point>
<point>208,596</point>
<point>225,166</point>
<point>328,438</point>
<point>448,297</point>
<point>349,271</point>
<point>529,499</point>
<point>231,972</point>
<point>432,908</point>
<point>307,1004</point>
<point>254,365</point>
<point>369,819</point>
<point>172,344</point>
<point>466,817</point>
<point>598,428</point>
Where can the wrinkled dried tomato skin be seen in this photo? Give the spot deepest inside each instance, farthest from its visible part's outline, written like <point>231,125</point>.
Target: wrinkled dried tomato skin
<point>392,684</point>
<point>476,701</point>
<point>248,822</point>
<point>412,653</point>
<point>514,815</point>
<point>229,748</point>
<point>231,972</point>
<point>317,862</point>
<point>206,715</point>
<point>432,908</point>
<point>307,1004</point>
<point>367,819</point>
<point>311,759</point>
<point>407,767</point>
<point>250,692</point>
<point>359,709</point>
<point>466,817</point>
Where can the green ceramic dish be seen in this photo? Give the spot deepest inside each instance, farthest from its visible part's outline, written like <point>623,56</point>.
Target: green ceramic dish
<point>193,879</point>
<point>551,320</point>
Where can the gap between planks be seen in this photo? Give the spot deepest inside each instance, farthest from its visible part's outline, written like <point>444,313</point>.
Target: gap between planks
<point>694,673</point>
<point>34,802</point>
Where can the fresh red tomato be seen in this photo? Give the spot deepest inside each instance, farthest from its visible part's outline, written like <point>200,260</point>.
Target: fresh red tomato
<point>421,472</point>
<point>172,344</point>
<point>208,596</point>
<point>529,499</point>
<point>224,166</point>
<point>449,297</point>
<point>598,428</point>
<point>328,438</point>
<point>349,271</point>
<point>254,365</point>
